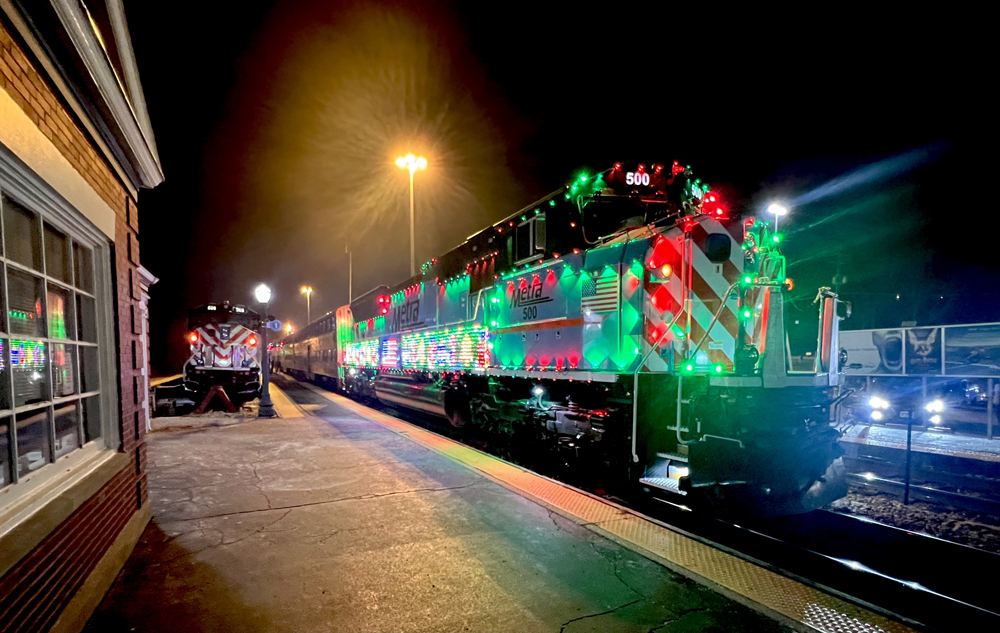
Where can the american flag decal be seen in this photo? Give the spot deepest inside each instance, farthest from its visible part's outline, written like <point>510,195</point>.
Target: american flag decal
<point>601,294</point>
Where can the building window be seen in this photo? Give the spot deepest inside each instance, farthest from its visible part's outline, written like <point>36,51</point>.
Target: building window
<point>50,381</point>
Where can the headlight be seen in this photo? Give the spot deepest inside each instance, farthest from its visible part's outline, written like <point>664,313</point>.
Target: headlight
<point>878,403</point>
<point>934,406</point>
<point>876,415</point>
<point>935,419</point>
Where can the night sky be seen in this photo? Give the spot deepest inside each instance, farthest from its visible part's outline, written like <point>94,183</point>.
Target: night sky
<point>278,125</point>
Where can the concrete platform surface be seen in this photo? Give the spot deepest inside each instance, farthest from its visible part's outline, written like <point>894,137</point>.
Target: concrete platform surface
<point>330,522</point>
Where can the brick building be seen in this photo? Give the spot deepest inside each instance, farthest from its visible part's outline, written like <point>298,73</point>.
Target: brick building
<point>75,148</point>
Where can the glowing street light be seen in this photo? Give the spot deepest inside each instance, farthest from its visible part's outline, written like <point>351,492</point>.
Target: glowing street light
<point>266,410</point>
<point>263,294</point>
<point>308,291</point>
<point>778,211</point>
<point>412,163</point>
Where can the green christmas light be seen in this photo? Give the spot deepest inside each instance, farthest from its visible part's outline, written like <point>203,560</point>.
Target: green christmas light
<point>748,279</point>
<point>776,238</point>
<point>718,369</point>
<point>747,313</point>
<point>689,367</point>
<point>552,203</point>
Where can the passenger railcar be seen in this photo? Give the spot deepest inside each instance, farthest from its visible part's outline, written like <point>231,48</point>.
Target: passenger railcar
<point>626,318</point>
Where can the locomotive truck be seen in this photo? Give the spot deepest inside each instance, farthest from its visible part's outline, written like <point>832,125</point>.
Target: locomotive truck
<point>626,318</point>
<point>223,339</point>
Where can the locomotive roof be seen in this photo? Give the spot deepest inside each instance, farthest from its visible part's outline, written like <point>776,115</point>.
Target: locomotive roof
<point>223,313</point>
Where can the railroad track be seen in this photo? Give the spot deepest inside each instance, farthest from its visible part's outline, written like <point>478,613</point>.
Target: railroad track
<point>967,493</point>
<point>926,581</point>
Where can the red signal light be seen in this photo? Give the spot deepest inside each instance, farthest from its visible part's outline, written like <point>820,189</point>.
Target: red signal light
<point>193,337</point>
<point>252,340</point>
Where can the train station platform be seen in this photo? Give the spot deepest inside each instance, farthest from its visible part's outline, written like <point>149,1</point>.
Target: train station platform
<point>337,517</point>
<point>960,446</point>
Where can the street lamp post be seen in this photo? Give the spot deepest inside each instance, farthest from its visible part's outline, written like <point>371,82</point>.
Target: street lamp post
<point>412,163</point>
<point>266,410</point>
<point>778,211</point>
<point>308,291</point>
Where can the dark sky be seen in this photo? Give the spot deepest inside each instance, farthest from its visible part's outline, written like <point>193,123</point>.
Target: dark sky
<point>278,124</point>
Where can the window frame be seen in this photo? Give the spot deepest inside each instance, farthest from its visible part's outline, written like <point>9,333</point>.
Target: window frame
<point>534,251</point>
<point>24,188</point>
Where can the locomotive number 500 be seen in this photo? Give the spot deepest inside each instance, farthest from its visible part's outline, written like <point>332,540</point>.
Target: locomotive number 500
<point>637,178</point>
<point>530,312</point>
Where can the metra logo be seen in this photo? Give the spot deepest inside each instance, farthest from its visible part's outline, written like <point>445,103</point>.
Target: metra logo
<point>528,296</point>
<point>406,315</point>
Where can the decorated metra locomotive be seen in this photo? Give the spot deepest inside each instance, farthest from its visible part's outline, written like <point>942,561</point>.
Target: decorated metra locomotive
<point>224,341</point>
<point>627,319</point>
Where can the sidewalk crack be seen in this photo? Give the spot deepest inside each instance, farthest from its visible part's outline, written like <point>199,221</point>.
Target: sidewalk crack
<point>594,615</point>
<point>328,501</point>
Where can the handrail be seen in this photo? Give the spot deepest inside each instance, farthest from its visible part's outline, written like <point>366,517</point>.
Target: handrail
<point>635,388</point>
<point>715,319</point>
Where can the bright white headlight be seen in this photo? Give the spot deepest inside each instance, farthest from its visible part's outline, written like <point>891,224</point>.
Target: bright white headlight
<point>935,419</point>
<point>878,403</point>
<point>876,415</point>
<point>935,406</point>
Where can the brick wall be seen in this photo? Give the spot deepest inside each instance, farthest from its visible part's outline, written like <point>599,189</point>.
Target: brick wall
<point>35,591</point>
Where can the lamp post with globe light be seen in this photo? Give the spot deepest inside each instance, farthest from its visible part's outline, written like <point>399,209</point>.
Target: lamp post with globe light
<point>412,163</point>
<point>262,293</point>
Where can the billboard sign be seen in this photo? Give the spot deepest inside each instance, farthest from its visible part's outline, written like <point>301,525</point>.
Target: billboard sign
<point>873,352</point>
<point>973,350</point>
<point>923,351</point>
<point>964,351</point>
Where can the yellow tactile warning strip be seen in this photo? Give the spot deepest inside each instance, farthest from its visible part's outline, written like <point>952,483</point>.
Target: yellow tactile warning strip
<point>283,404</point>
<point>750,584</point>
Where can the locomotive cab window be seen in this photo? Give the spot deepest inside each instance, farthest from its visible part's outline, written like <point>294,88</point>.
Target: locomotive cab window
<point>528,239</point>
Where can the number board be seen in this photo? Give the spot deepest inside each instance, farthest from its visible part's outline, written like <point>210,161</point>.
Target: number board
<point>645,180</point>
